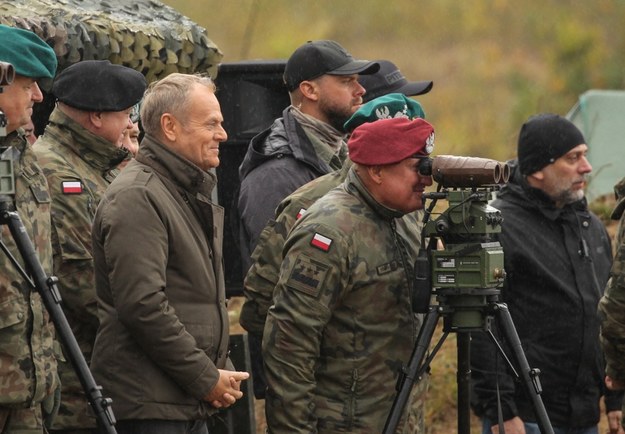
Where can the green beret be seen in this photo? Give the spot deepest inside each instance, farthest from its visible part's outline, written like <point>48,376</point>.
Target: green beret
<point>392,105</point>
<point>99,86</point>
<point>27,52</point>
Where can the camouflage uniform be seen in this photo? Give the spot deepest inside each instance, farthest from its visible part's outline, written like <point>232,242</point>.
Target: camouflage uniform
<point>612,304</point>
<point>78,167</point>
<point>27,345</point>
<point>341,325</point>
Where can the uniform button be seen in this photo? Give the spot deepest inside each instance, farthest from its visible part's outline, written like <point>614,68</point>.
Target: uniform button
<point>20,315</point>
<point>586,223</point>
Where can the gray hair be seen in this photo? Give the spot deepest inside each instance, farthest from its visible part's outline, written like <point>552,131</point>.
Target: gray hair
<point>169,95</point>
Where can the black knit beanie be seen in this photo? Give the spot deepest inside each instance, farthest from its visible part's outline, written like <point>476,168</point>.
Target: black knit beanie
<point>543,139</point>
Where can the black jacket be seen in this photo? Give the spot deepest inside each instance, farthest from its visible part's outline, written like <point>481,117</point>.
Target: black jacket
<point>278,161</point>
<point>557,263</point>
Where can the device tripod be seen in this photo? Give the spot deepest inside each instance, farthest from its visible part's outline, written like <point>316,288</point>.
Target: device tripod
<point>465,311</point>
<point>46,287</point>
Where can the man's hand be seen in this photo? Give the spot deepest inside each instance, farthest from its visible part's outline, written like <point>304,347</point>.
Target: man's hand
<point>614,421</point>
<point>613,384</point>
<point>512,426</point>
<point>228,388</point>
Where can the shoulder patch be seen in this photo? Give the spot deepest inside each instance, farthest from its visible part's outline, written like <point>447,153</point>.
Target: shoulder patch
<point>307,275</point>
<point>300,213</point>
<point>321,242</point>
<point>387,268</point>
<point>71,187</point>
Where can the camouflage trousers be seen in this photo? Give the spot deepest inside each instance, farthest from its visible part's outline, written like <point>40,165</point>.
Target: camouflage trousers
<point>21,420</point>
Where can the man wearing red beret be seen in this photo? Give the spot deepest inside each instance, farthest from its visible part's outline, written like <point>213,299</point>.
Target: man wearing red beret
<point>342,324</point>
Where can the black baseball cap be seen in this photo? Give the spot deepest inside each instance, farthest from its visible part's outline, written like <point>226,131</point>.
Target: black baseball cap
<point>316,58</point>
<point>389,79</point>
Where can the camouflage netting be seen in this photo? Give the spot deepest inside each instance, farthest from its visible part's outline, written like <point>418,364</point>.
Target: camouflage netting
<point>143,34</point>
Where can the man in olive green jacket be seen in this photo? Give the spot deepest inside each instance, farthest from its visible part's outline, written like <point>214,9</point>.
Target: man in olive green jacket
<point>161,352</point>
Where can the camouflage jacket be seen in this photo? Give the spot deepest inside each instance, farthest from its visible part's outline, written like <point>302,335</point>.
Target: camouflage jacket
<point>262,276</point>
<point>78,167</point>
<point>28,368</point>
<point>341,325</point>
<point>612,304</point>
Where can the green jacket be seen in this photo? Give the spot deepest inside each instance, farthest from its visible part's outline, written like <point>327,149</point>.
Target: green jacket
<point>262,276</point>
<point>157,247</point>
<point>341,325</point>
<point>72,156</point>
<point>612,304</point>
<point>28,368</point>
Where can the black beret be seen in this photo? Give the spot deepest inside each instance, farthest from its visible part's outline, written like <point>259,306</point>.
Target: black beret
<point>99,86</point>
<point>27,52</point>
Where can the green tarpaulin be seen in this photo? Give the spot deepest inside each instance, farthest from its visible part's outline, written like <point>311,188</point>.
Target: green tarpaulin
<point>600,115</point>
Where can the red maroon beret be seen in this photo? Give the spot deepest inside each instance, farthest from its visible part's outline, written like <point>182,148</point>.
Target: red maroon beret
<point>389,141</point>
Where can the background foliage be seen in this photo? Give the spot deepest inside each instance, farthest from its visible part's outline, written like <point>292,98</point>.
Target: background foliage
<point>493,62</point>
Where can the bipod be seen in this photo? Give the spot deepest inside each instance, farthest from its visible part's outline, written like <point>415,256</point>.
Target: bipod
<point>465,311</point>
<point>51,297</point>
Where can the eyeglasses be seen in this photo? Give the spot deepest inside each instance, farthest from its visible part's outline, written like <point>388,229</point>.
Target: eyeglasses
<point>134,114</point>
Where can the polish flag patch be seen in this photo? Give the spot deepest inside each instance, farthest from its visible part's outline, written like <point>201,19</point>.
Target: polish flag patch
<point>300,213</point>
<point>321,242</point>
<point>71,187</point>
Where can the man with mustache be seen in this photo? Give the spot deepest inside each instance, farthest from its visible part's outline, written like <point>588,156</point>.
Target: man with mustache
<point>308,141</point>
<point>79,151</point>
<point>29,385</point>
<point>341,324</point>
<point>557,258</point>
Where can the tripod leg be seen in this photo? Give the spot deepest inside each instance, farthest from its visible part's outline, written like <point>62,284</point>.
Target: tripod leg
<point>50,296</point>
<point>463,345</point>
<point>416,360</point>
<point>529,376</point>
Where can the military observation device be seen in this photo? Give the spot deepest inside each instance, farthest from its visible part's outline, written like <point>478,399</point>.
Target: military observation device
<point>470,257</point>
<point>7,73</point>
<point>7,180</point>
<point>462,265</point>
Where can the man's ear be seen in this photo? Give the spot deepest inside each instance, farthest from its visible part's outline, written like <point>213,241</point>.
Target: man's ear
<point>170,126</point>
<point>375,174</point>
<point>309,90</point>
<point>538,175</point>
<point>95,118</point>
<point>536,179</point>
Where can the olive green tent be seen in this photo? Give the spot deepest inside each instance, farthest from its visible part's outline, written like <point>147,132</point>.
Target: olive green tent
<point>142,34</point>
<point>600,115</point>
